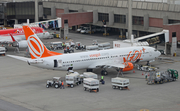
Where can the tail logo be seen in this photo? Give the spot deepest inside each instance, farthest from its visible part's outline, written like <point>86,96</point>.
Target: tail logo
<point>36,47</point>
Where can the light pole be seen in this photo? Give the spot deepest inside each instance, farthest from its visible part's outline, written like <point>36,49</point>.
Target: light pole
<point>130,21</point>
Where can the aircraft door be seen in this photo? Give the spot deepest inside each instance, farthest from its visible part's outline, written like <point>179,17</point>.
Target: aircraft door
<point>55,63</point>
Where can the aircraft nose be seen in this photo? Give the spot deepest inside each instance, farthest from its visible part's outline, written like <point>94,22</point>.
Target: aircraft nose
<point>159,53</point>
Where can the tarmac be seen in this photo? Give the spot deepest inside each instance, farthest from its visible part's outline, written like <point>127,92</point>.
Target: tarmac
<point>23,87</point>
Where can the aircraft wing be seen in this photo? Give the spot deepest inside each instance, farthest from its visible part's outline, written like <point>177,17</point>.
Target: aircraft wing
<point>117,63</point>
<point>19,58</point>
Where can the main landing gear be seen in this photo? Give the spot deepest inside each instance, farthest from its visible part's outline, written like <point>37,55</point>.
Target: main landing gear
<point>104,72</point>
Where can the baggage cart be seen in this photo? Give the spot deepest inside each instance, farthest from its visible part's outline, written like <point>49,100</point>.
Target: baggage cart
<point>73,79</point>
<point>91,84</point>
<point>120,83</point>
<point>90,75</point>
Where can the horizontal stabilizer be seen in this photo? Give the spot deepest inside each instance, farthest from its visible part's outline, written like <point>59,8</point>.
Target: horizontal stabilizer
<point>20,58</point>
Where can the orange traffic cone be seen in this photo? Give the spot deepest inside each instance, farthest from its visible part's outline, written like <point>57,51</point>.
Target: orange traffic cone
<point>134,71</point>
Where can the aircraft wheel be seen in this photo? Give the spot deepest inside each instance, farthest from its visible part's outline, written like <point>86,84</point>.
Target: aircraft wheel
<point>105,73</point>
<point>47,86</point>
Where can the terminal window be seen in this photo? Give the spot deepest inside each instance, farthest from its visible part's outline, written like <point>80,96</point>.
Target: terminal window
<point>103,16</point>
<point>137,20</point>
<point>119,18</point>
<point>170,21</point>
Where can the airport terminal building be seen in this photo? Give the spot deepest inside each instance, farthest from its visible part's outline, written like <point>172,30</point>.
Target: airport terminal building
<point>147,17</point>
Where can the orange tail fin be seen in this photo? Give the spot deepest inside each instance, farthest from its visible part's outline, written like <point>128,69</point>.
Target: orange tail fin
<point>36,48</point>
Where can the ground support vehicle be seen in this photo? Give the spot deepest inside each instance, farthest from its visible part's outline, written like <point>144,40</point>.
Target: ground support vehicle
<point>173,74</point>
<point>155,78</point>
<point>90,75</point>
<point>92,48</point>
<point>145,68</point>
<point>120,83</point>
<point>72,79</point>
<point>68,49</point>
<point>79,46</point>
<point>2,51</point>
<point>56,45</point>
<point>102,46</point>
<point>95,42</point>
<point>70,43</point>
<point>162,77</point>
<point>56,82</point>
<point>91,84</point>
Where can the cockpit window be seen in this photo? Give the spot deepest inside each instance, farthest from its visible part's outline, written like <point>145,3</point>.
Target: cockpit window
<point>155,50</point>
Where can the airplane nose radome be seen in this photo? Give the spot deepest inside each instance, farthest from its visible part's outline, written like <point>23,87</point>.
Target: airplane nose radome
<point>159,53</point>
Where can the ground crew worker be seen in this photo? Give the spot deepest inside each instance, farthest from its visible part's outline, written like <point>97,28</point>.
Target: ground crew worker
<point>102,78</point>
<point>63,45</point>
<point>146,76</point>
<point>62,85</point>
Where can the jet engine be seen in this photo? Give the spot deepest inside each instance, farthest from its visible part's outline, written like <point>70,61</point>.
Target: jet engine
<point>20,44</point>
<point>128,67</point>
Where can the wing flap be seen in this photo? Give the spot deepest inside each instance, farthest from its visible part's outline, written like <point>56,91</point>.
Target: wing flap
<point>119,65</point>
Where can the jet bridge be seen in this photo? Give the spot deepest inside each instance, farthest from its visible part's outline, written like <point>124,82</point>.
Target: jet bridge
<point>165,32</point>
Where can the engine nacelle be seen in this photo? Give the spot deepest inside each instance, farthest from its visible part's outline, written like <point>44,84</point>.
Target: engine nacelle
<point>129,67</point>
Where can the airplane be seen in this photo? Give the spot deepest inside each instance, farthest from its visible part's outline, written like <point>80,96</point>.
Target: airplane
<point>19,37</point>
<point>118,58</point>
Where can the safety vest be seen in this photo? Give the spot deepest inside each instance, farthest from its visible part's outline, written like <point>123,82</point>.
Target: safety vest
<point>102,77</point>
<point>62,83</point>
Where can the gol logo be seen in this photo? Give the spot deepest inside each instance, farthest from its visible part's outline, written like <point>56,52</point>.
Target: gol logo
<point>134,55</point>
<point>35,46</point>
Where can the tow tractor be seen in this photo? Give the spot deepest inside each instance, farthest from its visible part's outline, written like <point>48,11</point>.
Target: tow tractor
<point>79,46</point>
<point>173,74</point>
<point>68,49</point>
<point>56,82</point>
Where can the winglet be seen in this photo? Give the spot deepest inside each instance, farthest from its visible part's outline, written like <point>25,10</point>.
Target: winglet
<point>12,38</point>
<point>36,48</point>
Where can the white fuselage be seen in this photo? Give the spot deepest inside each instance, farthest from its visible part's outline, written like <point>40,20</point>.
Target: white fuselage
<point>93,58</point>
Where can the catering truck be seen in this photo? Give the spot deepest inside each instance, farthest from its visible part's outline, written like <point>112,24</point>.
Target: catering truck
<point>121,83</point>
<point>91,84</point>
